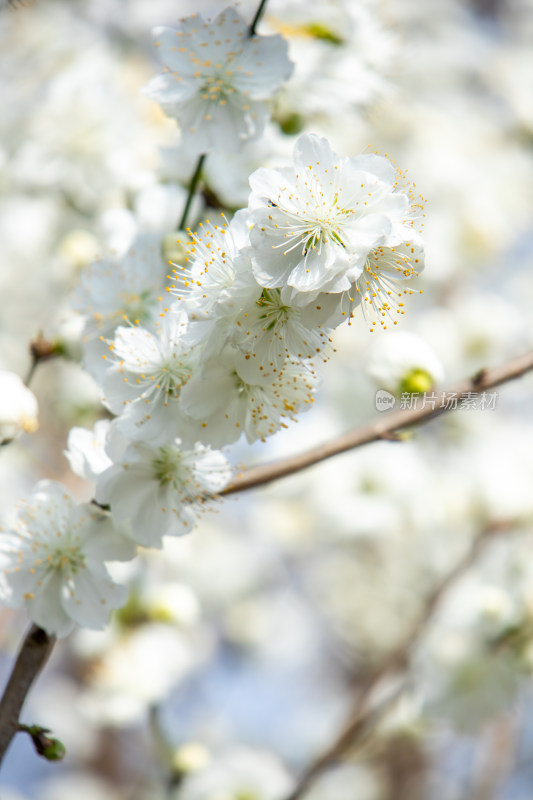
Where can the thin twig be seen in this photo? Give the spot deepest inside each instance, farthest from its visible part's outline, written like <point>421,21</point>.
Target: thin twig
<point>192,188</point>
<point>384,427</point>
<point>258,14</point>
<point>363,716</point>
<point>32,657</point>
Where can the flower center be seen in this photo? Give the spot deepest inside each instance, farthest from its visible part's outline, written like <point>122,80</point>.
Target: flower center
<point>244,389</point>
<point>168,466</point>
<point>137,307</point>
<point>216,90</point>
<point>67,558</point>
<point>310,234</point>
<point>171,377</point>
<point>274,312</point>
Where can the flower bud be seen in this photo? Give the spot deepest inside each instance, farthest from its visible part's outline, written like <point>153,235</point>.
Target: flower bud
<point>47,746</point>
<point>51,749</point>
<point>403,362</point>
<point>417,381</point>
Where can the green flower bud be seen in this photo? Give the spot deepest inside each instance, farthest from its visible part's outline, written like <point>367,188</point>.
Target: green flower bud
<point>291,124</point>
<point>417,381</point>
<point>47,746</point>
<point>51,749</point>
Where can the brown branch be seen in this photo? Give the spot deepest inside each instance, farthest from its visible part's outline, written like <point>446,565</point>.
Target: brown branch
<point>383,428</point>
<point>365,715</point>
<point>32,657</point>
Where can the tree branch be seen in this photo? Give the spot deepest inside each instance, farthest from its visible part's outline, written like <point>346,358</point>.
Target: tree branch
<point>383,428</point>
<point>192,188</point>
<point>365,714</point>
<point>32,657</point>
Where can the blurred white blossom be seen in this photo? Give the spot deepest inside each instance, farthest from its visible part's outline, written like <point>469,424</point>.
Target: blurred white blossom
<point>18,407</point>
<point>239,773</point>
<point>216,78</point>
<point>115,290</point>
<point>400,361</point>
<point>53,561</point>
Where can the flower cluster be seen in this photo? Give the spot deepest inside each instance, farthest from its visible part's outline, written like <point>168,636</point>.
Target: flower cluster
<point>229,344</point>
<point>236,350</point>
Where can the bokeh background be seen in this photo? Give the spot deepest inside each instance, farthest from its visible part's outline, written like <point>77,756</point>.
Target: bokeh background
<point>244,645</point>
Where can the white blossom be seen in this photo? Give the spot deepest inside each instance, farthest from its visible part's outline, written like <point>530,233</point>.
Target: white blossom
<point>86,450</point>
<point>52,561</point>
<point>161,490</point>
<point>226,304</point>
<point>270,330</point>
<point>216,78</point>
<point>381,288</point>
<point>217,279</point>
<point>145,378</point>
<point>221,403</point>
<point>331,222</point>
<point>118,288</point>
<point>90,452</point>
<point>18,406</point>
